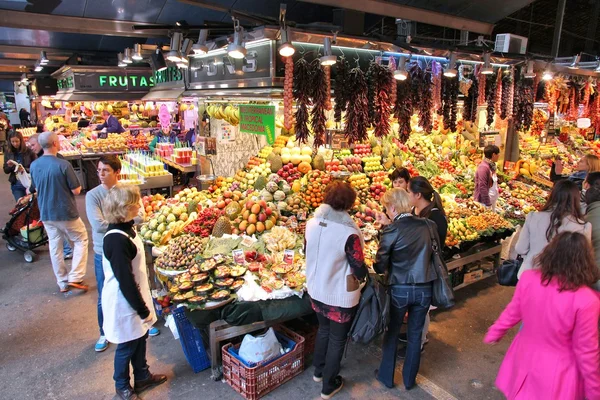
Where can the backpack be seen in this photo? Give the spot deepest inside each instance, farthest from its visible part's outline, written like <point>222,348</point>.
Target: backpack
<point>373,314</point>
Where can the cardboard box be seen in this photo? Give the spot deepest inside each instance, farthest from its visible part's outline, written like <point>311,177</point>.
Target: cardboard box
<point>473,276</point>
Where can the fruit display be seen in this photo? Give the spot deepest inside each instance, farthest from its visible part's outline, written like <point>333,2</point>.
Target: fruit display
<point>362,149</point>
<point>227,113</point>
<point>255,217</point>
<point>360,183</point>
<point>180,254</point>
<point>205,222</point>
<point>314,189</point>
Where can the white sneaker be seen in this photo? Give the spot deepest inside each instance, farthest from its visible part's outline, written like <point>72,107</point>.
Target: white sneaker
<point>101,344</point>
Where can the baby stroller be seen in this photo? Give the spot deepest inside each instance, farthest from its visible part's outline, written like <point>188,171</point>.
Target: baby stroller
<point>24,231</point>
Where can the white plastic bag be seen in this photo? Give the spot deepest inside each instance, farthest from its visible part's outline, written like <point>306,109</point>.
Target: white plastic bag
<point>260,348</point>
<point>23,177</point>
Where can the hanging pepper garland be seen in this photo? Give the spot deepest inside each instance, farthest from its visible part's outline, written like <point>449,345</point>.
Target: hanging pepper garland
<point>573,104</point>
<point>523,103</point>
<point>481,83</point>
<point>498,93</point>
<point>341,88</point>
<point>327,70</point>
<point>450,98</point>
<point>383,81</point>
<point>302,91</point>
<point>470,103</point>
<point>425,120</point>
<point>587,90</point>
<point>505,96</point>
<point>319,98</point>
<point>288,95</point>
<point>490,98</point>
<point>403,108</point>
<point>371,85</point>
<point>357,114</point>
<point>392,68</point>
<point>511,95</point>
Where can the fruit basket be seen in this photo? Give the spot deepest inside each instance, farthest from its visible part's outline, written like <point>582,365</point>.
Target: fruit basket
<point>255,382</point>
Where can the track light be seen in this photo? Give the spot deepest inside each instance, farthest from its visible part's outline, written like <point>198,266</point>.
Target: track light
<point>121,62</point>
<point>400,72</point>
<point>201,47</point>
<point>158,60</point>
<point>487,65</point>
<point>450,71</point>
<point>38,67</point>
<point>137,52</point>
<point>529,74</point>
<point>127,56</point>
<point>328,57</point>
<point>548,75</point>
<point>575,63</point>
<point>236,49</point>
<point>286,49</point>
<point>173,54</point>
<point>43,59</point>
<point>598,67</point>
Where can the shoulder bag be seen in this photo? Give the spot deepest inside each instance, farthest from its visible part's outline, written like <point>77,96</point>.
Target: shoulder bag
<point>507,272</point>
<point>443,295</point>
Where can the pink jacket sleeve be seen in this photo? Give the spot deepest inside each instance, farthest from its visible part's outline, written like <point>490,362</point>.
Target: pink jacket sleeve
<point>585,347</point>
<point>509,317</point>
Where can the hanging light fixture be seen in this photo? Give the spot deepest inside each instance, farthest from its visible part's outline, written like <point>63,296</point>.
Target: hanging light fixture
<point>137,52</point>
<point>127,56</point>
<point>173,54</point>
<point>158,60</point>
<point>201,47</point>
<point>286,49</point>
<point>43,58</point>
<point>487,68</point>
<point>529,74</point>
<point>38,67</point>
<point>328,58</point>
<point>575,63</point>
<point>598,67</point>
<point>450,71</point>
<point>121,62</point>
<point>400,72</point>
<point>184,63</point>
<point>236,49</point>
<point>548,75</point>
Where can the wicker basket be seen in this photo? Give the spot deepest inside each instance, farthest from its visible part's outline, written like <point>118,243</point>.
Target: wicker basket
<point>255,382</point>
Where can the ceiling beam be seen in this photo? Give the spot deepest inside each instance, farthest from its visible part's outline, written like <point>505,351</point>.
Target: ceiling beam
<point>389,9</point>
<point>5,48</point>
<point>61,23</point>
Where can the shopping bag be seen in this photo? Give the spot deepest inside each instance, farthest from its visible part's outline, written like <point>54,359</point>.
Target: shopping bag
<point>442,294</point>
<point>23,177</point>
<point>508,271</point>
<point>255,349</point>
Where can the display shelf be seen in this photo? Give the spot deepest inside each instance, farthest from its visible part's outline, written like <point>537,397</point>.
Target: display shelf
<point>185,168</point>
<point>485,275</point>
<point>158,182</point>
<point>478,253</point>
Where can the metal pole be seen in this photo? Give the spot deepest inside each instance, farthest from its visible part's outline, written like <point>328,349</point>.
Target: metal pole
<point>560,13</point>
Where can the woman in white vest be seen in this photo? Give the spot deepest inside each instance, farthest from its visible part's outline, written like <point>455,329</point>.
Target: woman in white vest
<point>334,267</point>
<point>126,300</point>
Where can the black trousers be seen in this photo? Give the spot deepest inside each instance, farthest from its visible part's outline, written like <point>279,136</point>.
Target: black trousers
<point>329,349</point>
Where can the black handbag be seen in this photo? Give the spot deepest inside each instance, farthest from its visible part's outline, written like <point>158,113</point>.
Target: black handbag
<point>507,272</point>
<point>443,295</point>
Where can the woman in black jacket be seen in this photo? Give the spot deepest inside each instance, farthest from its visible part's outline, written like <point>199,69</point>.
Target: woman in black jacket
<point>18,154</point>
<point>404,256</point>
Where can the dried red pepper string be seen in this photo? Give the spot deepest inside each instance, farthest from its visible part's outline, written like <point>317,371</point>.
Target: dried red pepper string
<point>319,98</point>
<point>383,81</point>
<point>403,109</point>
<point>327,69</point>
<point>341,88</point>
<point>288,95</point>
<point>357,114</point>
<point>302,96</point>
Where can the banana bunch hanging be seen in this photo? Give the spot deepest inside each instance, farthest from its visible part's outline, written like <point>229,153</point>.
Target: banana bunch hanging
<point>229,113</point>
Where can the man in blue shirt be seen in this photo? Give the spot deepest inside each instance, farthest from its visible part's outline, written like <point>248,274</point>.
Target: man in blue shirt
<point>57,185</point>
<point>110,125</point>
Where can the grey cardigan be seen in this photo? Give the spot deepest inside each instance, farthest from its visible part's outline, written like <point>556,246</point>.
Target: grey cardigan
<point>532,239</point>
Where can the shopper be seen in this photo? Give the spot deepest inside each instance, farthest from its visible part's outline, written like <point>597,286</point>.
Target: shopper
<point>109,168</point>
<point>555,354</point>
<point>34,145</point>
<point>334,267</point>
<point>56,184</point>
<point>592,216</point>
<point>18,154</point>
<point>24,117</point>
<point>126,300</point>
<point>486,179</point>
<point>587,164</point>
<point>110,125</point>
<point>404,256</point>
<point>426,203</point>
<point>561,213</point>
<point>400,178</point>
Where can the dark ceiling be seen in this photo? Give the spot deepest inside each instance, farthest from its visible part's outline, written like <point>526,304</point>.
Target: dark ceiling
<point>74,34</point>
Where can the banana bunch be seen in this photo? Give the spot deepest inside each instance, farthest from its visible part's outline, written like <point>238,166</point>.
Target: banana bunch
<point>230,113</point>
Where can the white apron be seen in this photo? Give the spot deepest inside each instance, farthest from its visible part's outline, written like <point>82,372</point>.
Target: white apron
<point>494,193</point>
<point>121,322</point>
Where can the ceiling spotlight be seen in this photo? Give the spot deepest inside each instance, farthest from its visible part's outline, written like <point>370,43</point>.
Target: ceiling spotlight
<point>487,65</point>
<point>450,71</point>
<point>158,60</point>
<point>182,23</point>
<point>24,78</point>
<point>529,74</point>
<point>173,54</point>
<point>328,57</point>
<point>236,49</point>
<point>38,67</point>
<point>184,63</point>
<point>127,56</point>
<point>121,62</point>
<point>201,47</point>
<point>43,59</point>
<point>186,47</point>
<point>137,52</point>
<point>575,63</point>
<point>286,49</point>
<point>400,72</point>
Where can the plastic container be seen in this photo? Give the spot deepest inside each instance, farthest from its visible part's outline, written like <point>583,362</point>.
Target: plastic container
<point>35,234</point>
<point>255,382</point>
<point>191,341</point>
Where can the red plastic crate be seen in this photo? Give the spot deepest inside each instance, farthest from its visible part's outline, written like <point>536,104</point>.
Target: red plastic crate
<point>255,382</point>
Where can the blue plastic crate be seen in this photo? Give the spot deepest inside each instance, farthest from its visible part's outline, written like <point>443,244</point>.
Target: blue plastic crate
<point>191,341</point>
<point>287,345</point>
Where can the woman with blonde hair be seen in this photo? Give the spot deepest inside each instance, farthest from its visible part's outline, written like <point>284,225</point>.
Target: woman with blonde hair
<point>588,163</point>
<point>404,256</point>
<point>126,300</point>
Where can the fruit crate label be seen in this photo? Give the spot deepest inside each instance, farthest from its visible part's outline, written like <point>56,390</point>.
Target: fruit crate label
<point>288,256</point>
<point>258,120</point>
<point>238,256</point>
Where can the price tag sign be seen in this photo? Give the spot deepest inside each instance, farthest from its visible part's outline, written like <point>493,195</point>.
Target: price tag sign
<point>301,215</point>
<point>238,256</point>
<point>248,241</point>
<point>288,257</point>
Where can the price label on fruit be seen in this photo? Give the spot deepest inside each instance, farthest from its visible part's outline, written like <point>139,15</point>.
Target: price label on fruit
<point>288,256</point>
<point>238,256</point>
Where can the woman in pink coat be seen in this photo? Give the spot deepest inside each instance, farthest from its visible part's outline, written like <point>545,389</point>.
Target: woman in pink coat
<point>555,355</point>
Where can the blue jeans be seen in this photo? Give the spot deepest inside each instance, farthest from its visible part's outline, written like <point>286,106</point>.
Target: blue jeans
<point>414,299</point>
<point>133,352</point>
<point>67,247</point>
<point>99,284</point>
<point>18,190</point>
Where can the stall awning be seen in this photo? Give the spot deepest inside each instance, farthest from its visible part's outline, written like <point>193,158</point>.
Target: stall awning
<point>99,96</point>
<point>165,94</point>
<point>266,93</point>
